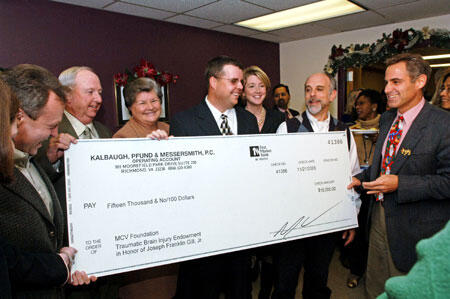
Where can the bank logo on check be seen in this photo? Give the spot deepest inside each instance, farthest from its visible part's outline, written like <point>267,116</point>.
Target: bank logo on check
<point>259,152</point>
<point>254,151</point>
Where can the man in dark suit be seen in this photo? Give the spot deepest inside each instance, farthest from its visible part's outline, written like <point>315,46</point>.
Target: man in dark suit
<point>30,214</point>
<point>22,268</point>
<point>410,173</point>
<point>83,93</point>
<point>216,115</point>
<point>282,96</point>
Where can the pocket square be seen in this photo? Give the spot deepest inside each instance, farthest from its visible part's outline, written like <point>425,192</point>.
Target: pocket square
<point>406,152</point>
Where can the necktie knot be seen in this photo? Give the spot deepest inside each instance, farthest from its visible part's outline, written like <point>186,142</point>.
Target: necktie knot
<point>87,133</point>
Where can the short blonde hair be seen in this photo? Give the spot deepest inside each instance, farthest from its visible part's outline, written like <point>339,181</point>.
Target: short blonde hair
<point>258,72</point>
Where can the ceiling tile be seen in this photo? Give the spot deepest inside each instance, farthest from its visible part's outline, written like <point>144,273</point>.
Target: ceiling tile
<point>192,21</point>
<point>272,37</point>
<point>416,10</point>
<point>304,31</point>
<point>140,11</point>
<point>172,5</point>
<point>375,4</point>
<point>236,30</point>
<point>220,15</point>
<point>87,3</point>
<point>229,11</point>
<point>280,5</point>
<point>354,21</point>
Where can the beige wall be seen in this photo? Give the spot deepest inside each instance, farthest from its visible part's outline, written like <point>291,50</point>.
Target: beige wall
<point>298,59</point>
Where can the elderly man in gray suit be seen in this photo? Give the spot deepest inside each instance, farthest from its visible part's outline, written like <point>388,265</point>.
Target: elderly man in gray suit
<point>30,214</point>
<point>84,99</point>
<point>83,93</point>
<point>410,174</point>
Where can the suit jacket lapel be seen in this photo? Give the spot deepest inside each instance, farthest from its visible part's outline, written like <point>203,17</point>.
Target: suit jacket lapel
<point>241,127</point>
<point>207,123</point>
<point>101,130</point>
<point>58,218</point>
<point>411,139</point>
<point>66,127</point>
<point>22,187</point>
<point>306,123</point>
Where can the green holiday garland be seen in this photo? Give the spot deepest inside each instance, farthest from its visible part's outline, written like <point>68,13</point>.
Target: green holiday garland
<point>389,45</point>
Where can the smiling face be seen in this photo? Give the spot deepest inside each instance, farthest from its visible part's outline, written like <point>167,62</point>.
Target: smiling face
<point>226,87</point>
<point>401,92</point>
<point>318,95</point>
<point>146,109</point>
<point>32,132</point>
<point>365,109</point>
<point>445,94</point>
<point>254,91</point>
<point>84,99</point>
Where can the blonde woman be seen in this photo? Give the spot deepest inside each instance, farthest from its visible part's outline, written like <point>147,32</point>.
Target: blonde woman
<point>441,96</point>
<point>256,85</point>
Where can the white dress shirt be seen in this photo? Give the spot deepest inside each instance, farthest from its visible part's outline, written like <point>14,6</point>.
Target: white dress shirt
<point>230,113</point>
<point>23,164</point>
<point>79,127</point>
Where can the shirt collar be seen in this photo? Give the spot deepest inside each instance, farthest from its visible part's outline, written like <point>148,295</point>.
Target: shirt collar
<point>21,159</point>
<point>410,115</point>
<point>216,113</point>
<point>318,124</point>
<point>77,125</point>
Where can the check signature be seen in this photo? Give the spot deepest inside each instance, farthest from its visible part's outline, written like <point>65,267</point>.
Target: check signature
<point>302,222</point>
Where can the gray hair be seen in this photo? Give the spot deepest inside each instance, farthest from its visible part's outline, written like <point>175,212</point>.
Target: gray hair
<point>68,76</point>
<point>137,86</point>
<point>333,83</point>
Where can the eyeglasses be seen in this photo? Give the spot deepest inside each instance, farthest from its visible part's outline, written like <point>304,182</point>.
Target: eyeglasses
<point>233,81</point>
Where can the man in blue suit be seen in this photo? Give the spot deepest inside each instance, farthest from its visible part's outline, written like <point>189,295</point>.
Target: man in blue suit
<point>410,174</point>
<point>206,278</point>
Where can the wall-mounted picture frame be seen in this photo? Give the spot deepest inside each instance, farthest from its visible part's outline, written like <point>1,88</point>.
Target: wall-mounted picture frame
<point>123,115</point>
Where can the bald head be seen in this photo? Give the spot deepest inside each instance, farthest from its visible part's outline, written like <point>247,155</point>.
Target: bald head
<point>320,91</point>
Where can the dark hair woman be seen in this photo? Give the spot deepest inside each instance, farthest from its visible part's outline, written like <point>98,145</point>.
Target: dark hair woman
<point>368,109</point>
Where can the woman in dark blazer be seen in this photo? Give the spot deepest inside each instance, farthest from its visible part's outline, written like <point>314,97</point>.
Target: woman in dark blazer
<point>256,86</point>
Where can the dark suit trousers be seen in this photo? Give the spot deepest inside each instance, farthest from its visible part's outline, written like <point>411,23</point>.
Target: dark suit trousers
<point>314,254</point>
<point>357,250</point>
<point>5,287</point>
<point>207,277</point>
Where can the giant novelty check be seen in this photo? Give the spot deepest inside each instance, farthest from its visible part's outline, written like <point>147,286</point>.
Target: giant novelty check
<point>139,203</point>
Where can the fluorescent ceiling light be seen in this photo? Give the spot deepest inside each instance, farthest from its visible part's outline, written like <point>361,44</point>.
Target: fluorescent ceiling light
<point>442,56</point>
<point>303,14</point>
<point>440,65</point>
